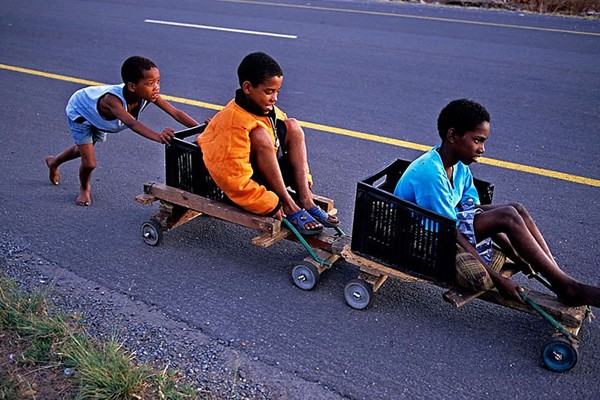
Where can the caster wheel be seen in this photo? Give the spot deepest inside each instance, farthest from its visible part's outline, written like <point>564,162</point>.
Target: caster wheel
<point>559,354</point>
<point>152,232</point>
<point>358,294</point>
<point>305,275</point>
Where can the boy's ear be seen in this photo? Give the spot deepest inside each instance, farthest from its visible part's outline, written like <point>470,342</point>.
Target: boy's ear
<point>131,86</point>
<point>246,86</point>
<point>451,135</point>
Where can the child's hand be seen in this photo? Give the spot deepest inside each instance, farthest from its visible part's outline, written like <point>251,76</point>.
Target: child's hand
<point>166,135</point>
<point>279,214</point>
<point>509,289</point>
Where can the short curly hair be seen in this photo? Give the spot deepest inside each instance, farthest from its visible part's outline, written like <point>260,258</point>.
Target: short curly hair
<point>133,68</point>
<point>257,67</point>
<point>463,115</point>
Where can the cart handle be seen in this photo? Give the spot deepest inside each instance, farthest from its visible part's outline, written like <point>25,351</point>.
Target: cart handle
<point>549,318</point>
<point>310,250</point>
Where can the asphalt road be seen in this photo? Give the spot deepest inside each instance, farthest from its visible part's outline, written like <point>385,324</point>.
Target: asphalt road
<point>373,67</point>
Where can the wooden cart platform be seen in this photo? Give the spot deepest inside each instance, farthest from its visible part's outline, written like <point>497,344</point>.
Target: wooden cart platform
<point>177,207</point>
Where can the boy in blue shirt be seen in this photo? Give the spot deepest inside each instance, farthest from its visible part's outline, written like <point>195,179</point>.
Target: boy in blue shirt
<point>97,110</point>
<point>440,180</point>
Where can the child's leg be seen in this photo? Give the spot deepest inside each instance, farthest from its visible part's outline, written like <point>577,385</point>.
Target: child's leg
<point>88,164</point>
<point>507,248</point>
<point>53,163</point>
<point>296,152</point>
<point>265,160</point>
<point>529,223</point>
<point>509,221</point>
<point>533,228</point>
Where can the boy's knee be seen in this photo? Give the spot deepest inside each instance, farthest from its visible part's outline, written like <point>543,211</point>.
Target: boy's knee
<point>88,165</point>
<point>294,130</point>
<point>520,209</point>
<point>260,139</point>
<point>510,216</point>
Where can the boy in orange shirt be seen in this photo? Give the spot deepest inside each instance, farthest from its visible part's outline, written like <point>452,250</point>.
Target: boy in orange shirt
<point>254,152</point>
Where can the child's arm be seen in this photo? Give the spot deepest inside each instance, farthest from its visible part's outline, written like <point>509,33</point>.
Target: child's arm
<point>113,105</point>
<point>176,113</point>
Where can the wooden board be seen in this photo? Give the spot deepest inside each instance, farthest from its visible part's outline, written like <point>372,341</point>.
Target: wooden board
<point>213,208</point>
<point>571,317</point>
<point>268,239</point>
<point>325,203</point>
<point>145,199</point>
<point>170,216</point>
<point>375,268</point>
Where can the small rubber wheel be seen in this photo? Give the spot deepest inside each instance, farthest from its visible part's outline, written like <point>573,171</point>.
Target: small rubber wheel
<point>305,275</point>
<point>152,232</point>
<point>559,354</point>
<point>358,294</point>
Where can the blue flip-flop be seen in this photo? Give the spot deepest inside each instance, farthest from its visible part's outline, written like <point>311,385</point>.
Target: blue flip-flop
<point>321,216</point>
<point>299,219</point>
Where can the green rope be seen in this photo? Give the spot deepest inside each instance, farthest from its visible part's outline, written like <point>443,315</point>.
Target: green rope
<point>339,230</point>
<point>304,243</point>
<point>540,279</point>
<point>549,318</point>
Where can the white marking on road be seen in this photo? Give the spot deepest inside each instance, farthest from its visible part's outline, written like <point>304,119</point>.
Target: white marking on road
<point>219,28</point>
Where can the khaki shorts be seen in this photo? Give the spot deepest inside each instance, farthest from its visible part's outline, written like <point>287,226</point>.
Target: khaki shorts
<point>471,274</point>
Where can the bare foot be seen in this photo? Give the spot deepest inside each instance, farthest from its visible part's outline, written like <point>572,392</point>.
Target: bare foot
<point>53,175</point>
<point>585,295</point>
<point>84,199</point>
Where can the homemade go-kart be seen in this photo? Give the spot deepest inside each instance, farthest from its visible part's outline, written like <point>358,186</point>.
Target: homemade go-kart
<point>390,238</point>
<point>396,238</point>
<point>190,192</point>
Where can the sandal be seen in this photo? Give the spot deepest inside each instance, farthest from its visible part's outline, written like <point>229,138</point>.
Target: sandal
<point>299,219</point>
<point>321,216</point>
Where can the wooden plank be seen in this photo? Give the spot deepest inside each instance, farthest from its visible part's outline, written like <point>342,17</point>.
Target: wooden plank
<point>213,208</point>
<point>324,202</point>
<point>145,199</point>
<point>323,255</point>
<point>375,268</point>
<point>267,239</point>
<point>180,217</point>
<point>321,241</point>
<point>340,243</point>
<point>571,317</point>
<point>375,280</point>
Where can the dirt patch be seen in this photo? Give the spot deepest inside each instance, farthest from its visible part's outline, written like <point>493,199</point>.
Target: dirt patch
<point>25,381</point>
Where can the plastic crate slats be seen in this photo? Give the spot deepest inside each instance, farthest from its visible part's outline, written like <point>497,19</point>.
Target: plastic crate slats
<point>184,172</point>
<point>185,169</point>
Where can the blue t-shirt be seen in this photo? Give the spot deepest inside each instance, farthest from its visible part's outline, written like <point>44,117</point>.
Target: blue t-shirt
<point>84,103</point>
<point>426,184</point>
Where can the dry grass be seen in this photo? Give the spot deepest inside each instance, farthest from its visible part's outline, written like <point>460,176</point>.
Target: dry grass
<point>44,356</point>
<point>566,7</point>
<point>582,8</point>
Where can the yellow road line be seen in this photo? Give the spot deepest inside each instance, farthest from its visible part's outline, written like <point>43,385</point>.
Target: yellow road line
<point>490,161</point>
<point>408,16</point>
<point>50,75</point>
<point>339,131</point>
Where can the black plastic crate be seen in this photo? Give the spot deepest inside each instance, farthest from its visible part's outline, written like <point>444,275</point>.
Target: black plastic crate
<point>402,235</point>
<point>185,169</point>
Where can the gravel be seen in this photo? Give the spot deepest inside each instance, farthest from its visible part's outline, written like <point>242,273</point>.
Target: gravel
<point>211,364</point>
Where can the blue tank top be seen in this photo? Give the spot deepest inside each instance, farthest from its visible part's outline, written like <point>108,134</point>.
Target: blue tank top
<point>84,103</point>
